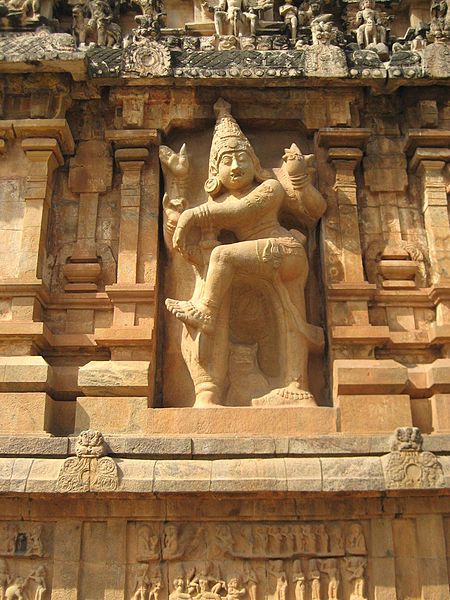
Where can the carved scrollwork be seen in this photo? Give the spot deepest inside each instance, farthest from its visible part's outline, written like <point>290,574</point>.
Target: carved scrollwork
<point>90,469</point>
<point>408,466</point>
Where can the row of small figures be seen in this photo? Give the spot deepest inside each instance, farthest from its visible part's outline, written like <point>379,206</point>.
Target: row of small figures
<point>199,584</point>
<point>94,23</point>
<point>248,541</point>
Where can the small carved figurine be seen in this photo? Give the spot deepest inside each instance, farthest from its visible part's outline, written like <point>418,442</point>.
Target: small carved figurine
<point>15,591</point>
<point>314,578</point>
<point>354,567</point>
<point>289,14</point>
<point>38,576</point>
<point>370,32</point>
<point>5,578</point>
<point>355,542</point>
<point>299,579</point>
<point>142,585</point>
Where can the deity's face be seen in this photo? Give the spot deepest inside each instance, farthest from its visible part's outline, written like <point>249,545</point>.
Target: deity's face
<point>236,170</point>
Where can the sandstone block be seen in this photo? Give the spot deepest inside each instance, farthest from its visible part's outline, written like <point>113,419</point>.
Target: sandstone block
<point>6,469</point>
<point>352,474</point>
<point>32,446</point>
<point>25,374</point>
<point>440,412</point>
<point>43,475</point>
<point>233,446</point>
<point>115,378</point>
<point>182,476</point>
<point>439,375</point>
<point>25,413</point>
<point>111,414</point>
<point>137,476</point>
<point>340,444</point>
<point>280,421</point>
<point>19,475</point>
<point>374,414</point>
<point>368,377</point>
<point>303,474</point>
<point>250,474</point>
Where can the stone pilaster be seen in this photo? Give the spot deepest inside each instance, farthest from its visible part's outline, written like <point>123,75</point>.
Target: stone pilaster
<point>429,164</point>
<point>130,371</point>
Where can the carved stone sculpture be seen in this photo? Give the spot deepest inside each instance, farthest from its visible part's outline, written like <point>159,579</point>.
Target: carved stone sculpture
<point>267,259</point>
<point>142,584</point>
<point>90,469</point>
<point>314,579</point>
<point>5,578</point>
<point>24,10</point>
<point>408,466</point>
<point>38,576</point>
<point>354,570</point>
<point>299,580</point>
<point>289,13</point>
<point>15,591</point>
<point>330,568</point>
<point>370,32</point>
<point>238,17</point>
<point>94,22</point>
<point>355,542</point>
<point>440,20</point>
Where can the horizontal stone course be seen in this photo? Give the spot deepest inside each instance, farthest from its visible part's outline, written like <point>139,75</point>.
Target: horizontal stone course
<point>225,476</point>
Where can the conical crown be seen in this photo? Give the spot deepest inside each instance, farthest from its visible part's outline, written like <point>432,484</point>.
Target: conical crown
<point>227,134</point>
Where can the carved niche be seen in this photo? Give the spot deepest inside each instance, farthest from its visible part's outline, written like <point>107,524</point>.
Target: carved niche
<point>245,337</point>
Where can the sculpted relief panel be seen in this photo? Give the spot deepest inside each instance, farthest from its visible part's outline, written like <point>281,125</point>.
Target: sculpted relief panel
<point>239,259</point>
<point>276,561</point>
<point>24,551</point>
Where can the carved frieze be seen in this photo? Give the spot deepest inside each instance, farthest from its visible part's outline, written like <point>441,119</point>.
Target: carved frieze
<point>247,541</point>
<point>248,560</point>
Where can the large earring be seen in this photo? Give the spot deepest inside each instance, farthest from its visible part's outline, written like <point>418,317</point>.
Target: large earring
<point>212,186</point>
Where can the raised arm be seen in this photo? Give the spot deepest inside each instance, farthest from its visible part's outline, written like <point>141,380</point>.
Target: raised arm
<point>308,200</point>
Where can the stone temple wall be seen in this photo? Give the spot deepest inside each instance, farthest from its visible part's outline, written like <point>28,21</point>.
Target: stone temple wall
<point>224,300</point>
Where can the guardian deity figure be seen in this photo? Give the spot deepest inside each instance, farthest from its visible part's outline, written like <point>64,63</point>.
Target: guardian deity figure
<point>246,200</point>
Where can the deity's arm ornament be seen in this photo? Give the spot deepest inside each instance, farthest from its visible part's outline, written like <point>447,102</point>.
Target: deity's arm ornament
<point>303,199</point>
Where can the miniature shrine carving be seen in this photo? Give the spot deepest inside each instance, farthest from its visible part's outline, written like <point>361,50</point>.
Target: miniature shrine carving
<point>267,263</point>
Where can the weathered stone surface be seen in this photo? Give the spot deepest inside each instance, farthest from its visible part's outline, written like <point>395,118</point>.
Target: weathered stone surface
<point>372,413</point>
<point>122,378</point>
<point>343,474</point>
<point>29,413</point>
<point>248,474</point>
<point>303,475</point>
<point>182,476</point>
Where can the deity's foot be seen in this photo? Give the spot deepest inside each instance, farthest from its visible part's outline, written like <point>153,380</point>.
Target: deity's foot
<point>190,314</point>
<point>290,395</point>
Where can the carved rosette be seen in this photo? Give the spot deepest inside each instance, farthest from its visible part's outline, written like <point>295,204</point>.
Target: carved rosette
<point>408,466</point>
<point>146,58</point>
<point>90,470</point>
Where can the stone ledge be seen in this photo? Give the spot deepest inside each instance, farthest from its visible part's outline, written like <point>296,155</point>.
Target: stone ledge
<point>213,447</point>
<point>229,476</point>
<point>153,447</point>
